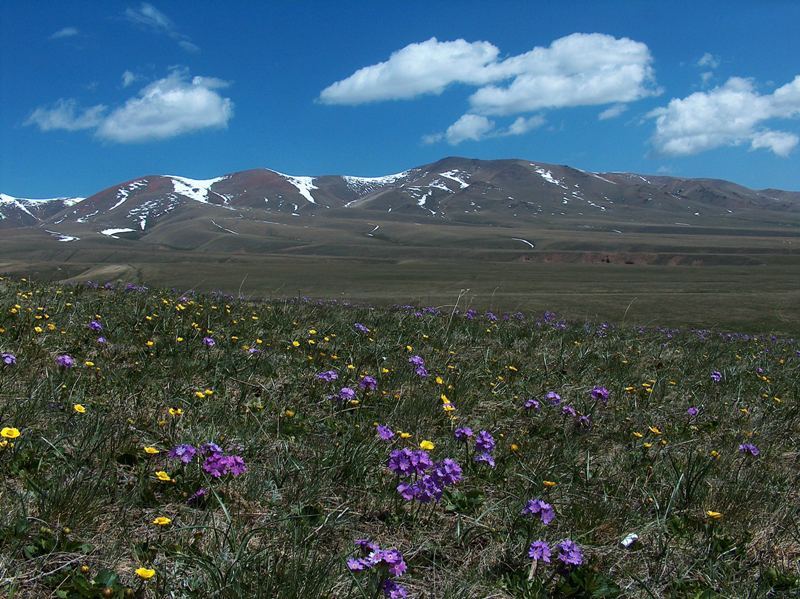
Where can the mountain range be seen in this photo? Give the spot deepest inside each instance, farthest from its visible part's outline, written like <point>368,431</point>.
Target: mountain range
<point>452,190</point>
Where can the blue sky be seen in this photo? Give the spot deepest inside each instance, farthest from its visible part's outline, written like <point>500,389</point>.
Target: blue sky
<point>93,94</point>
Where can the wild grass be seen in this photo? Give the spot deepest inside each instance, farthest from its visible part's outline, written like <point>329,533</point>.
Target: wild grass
<point>79,493</point>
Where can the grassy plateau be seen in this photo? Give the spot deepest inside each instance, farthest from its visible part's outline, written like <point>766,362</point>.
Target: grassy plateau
<point>160,444</point>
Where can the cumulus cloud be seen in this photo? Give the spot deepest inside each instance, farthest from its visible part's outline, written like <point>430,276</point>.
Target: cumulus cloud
<point>65,32</point>
<point>129,78</point>
<point>708,61</point>
<point>730,115</point>
<point>475,127</point>
<point>149,17</point>
<point>66,115</point>
<point>612,112</point>
<point>169,107</point>
<point>581,69</point>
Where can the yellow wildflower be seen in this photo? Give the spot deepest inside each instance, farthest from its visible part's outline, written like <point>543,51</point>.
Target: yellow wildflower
<point>145,573</point>
<point>162,521</point>
<point>9,432</point>
<point>79,408</point>
<point>427,445</point>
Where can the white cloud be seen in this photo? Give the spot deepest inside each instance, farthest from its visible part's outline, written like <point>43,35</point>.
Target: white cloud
<point>65,32</point>
<point>582,69</point>
<point>424,68</point>
<point>169,107</point>
<point>66,115</point>
<point>471,127</point>
<point>129,78</point>
<point>149,17</point>
<point>522,125</point>
<point>708,61</point>
<point>475,127</point>
<point>579,69</point>
<point>612,112</point>
<point>780,142</point>
<point>729,115</point>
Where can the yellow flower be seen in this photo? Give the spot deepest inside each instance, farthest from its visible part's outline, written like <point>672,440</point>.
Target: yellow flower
<point>162,521</point>
<point>151,450</point>
<point>427,445</point>
<point>289,413</point>
<point>655,430</point>
<point>175,412</point>
<point>200,394</point>
<point>179,339</point>
<point>714,515</point>
<point>637,434</point>
<point>38,329</point>
<point>439,380</point>
<point>79,408</point>
<point>514,447</point>
<point>9,432</point>
<point>405,435</point>
<point>549,483</point>
<point>409,348</point>
<point>145,573</point>
<point>714,454</point>
<point>385,370</point>
<point>647,445</point>
<point>161,475</point>
<point>295,343</point>
<point>312,331</point>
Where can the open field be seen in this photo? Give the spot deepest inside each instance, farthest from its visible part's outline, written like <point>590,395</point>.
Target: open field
<point>738,275</point>
<point>157,445</point>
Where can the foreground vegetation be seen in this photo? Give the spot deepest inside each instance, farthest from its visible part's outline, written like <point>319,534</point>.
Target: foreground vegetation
<point>160,445</point>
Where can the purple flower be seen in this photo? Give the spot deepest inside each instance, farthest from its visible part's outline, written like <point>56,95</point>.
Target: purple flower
<point>485,458</point>
<point>328,376</point>
<point>585,421</point>
<point>367,545</point>
<point>218,465</point>
<point>405,462</point>
<point>8,359</point>
<point>209,448</point>
<point>95,325</point>
<point>447,472</point>
<point>102,340</point>
<point>716,376</point>
<point>427,489</point>
<point>185,453</point>
<point>392,558</point>
<point>197,495</point>
<point>209,341</point>
<point>384,432</point>
<point>65,361</point>
<point>553,397</point>
<point>539,551</point>
<point>392,590</point>
<point>532,404</point>
<point>463,433</point>
<point>484,441</point>
<point>749,448</point>
<point>361,328</point>
<point>368,383</point>
<point>568,411</point>
<point>346,394</point>
<point>416,361</point>
<point>358,564</point>
<point>541,508</point>
<point>421,371</point>
<point>692,412</point>
<point>601,394</point>
<point>407,491</point>
<point>570,553</point>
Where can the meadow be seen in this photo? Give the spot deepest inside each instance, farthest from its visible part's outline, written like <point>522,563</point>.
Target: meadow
<point>157,443</point>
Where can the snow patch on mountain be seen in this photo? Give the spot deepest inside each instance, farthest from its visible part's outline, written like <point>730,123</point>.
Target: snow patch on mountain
<point>196,189</point>
<point>124,192</point>
<point>453,175</point>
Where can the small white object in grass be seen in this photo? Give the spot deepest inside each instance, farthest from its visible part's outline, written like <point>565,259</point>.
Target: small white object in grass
<point>629,540</point>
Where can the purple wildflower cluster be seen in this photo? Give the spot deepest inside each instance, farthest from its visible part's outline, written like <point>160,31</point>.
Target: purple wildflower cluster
<point>328,376</point>
<point>426,480</point>
<point>368,383</point>
<point>419,366</point>
<point>8,359</point>
<point>95,325</point>
<point>569,552</point>
<point>484,446</point>
<point>749,448</point>
<point>716,376</point>
<point>537,507</point>
<point>209,341</point>
<point>601,394</point>
<point>388,562</point>
<point>216,462</point>
<point>361,328</point>
<point>65,361</point>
